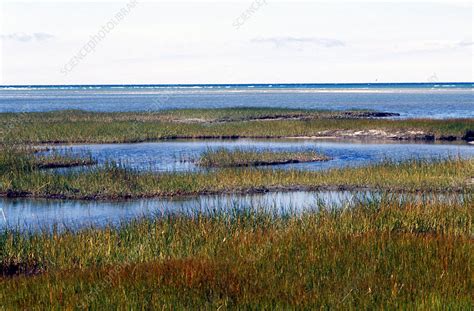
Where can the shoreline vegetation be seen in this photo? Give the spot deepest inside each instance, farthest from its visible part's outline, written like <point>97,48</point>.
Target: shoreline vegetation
<point>382,254</point>
<point>222,158</point>
<point>72,126</point>
<point>20,177</point>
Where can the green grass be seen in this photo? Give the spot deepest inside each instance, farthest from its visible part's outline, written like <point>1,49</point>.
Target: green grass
<point>383,254</point>
<point>240,157</point>
<point>20,177</point>
<point>89,127</point>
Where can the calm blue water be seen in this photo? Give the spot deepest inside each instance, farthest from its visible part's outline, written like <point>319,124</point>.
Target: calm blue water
<point>44,214</point>
<point>433,100</point>
<point>179,155</point>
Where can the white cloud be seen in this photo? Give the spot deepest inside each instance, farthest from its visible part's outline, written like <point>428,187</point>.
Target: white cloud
<point>24,37</point>
<point>465,43</point>
<point>279,42</point>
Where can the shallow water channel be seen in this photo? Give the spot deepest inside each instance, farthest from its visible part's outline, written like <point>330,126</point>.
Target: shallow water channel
<point>39,215</point>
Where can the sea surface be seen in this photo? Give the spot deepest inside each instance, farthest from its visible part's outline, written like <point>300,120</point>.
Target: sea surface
<point>411,100</point>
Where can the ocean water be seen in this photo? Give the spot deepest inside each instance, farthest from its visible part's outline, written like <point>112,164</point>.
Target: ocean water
<point>411,100</point>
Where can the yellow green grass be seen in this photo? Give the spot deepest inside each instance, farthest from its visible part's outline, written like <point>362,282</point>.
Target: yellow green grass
<point>89,127</point>
<point>239,157</point>
<point>382,254</point>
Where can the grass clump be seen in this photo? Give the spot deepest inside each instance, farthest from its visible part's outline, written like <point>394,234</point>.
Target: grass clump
<point>57,159</point>
<point>223,157</point>
<point>17,161</point>
<point>384,253</point>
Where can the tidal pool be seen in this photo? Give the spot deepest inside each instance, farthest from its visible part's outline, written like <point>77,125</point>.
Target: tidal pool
<point>179,155</point>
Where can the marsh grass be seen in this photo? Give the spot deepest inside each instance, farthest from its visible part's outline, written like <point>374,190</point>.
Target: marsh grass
<point>384,253</point>
<point>115,181</point>
<point>223,157</point>
<point>89,127</point>
<point>189,115</point>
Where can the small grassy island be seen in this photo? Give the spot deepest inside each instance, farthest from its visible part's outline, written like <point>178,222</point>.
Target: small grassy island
<point>29,159</point>
<point>58,160</point>
<point>247,158</point>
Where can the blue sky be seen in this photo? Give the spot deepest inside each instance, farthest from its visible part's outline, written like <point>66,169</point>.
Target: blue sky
<point>234,42</point>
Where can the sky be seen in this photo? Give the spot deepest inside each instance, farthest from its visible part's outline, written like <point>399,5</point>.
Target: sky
<point>260,41</point>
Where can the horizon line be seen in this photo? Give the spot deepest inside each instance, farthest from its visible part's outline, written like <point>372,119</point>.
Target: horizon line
<point>235,84</point>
